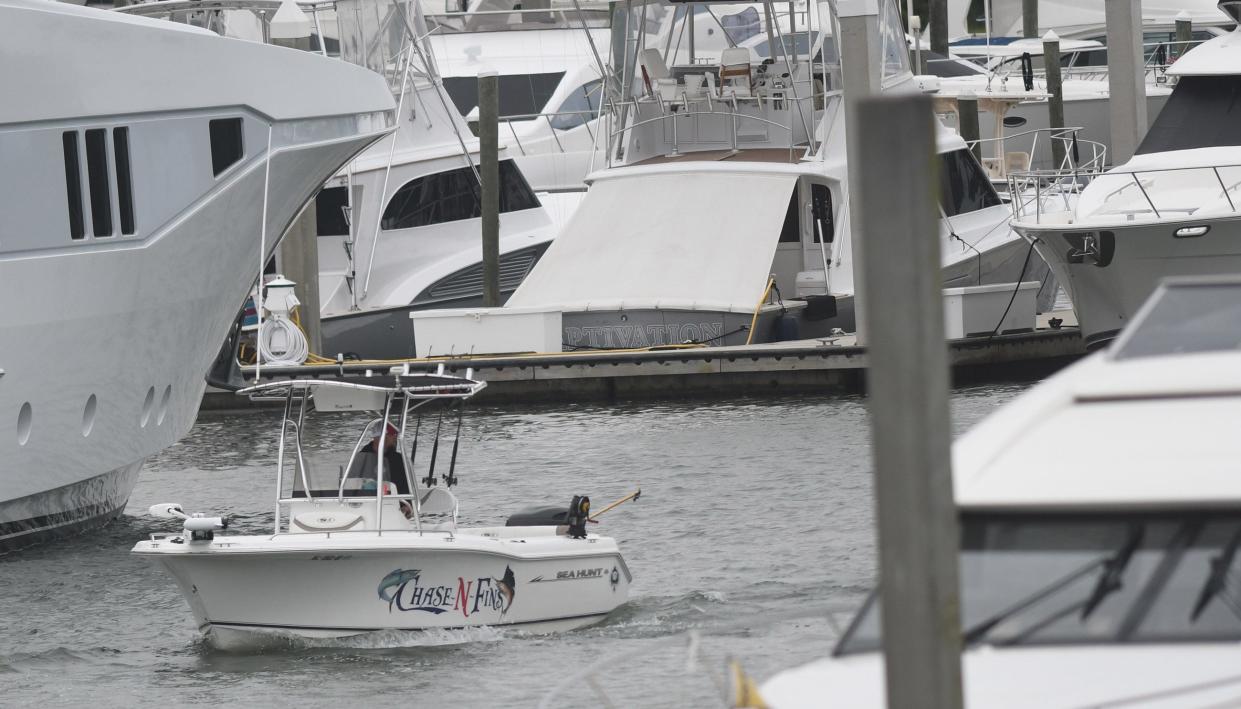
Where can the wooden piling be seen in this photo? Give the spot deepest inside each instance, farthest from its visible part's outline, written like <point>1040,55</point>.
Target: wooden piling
<point>489,173</point>
<point>907,387</point>
<point>1055,87</point>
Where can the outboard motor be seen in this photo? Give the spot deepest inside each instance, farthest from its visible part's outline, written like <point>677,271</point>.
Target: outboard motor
<point>546,516</point>
<point>574,518</point>
<point>579,511</point>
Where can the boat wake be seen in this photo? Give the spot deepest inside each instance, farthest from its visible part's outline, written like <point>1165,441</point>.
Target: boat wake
<point>244,641</point>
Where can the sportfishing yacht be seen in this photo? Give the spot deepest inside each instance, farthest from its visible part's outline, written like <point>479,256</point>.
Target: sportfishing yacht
<point>399,227</point>
<point>724,221</point>
<point>151,168</point>
<point>1171,210</point>
<point>1100,518</point>
<point>364,543</point>
<point>550,56</point>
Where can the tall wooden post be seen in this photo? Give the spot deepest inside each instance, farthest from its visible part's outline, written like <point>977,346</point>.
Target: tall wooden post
<point>907,384</point>
<point>1126,77</point>
<point>489,173</point>
<point>860,56</point>
<point>1055,87</point>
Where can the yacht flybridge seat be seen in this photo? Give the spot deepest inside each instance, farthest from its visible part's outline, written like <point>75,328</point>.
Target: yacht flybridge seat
<point>736,77</point>
<point>364,547</point>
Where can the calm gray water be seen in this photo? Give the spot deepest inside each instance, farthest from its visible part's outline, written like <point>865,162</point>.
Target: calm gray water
<point>753,532</point>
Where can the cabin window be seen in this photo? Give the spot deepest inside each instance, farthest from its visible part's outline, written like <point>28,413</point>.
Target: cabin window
<point>1101,578</point>
<point>226,143</point>
<point>520,94</point>
<point>452,196</point>
<point>73,184</point>
<point>742,25</point>
<point>98,181</point>
<point>580,106</point>
<point>330,205</point>
<point>790,233</point>
<point>939,65</point>
<point>963,186</point>
<point>1202,112</point>
<point>124,186</point>
<point>821,211</point>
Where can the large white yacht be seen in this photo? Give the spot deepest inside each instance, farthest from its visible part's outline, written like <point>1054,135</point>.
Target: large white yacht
<point>1170,210</point>
<point>399,227</point>
<point>1100,522</point>
<point>146,170</point>
<point>726,216</point>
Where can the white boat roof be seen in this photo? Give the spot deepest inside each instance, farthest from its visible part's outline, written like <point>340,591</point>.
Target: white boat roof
<point>194,69</point>
<point>682,234</point>
<point>1008,47</point>
<point>1220,56</point>
<point>1222,155</point>
<point>1132,675</point>
<point>1150,423</point>
<point>1079,15</point>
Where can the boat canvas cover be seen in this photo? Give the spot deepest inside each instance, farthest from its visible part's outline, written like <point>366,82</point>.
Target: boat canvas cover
<point>1070,15</point>
<point>703,240</point>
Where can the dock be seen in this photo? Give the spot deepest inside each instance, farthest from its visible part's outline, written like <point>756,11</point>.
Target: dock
<point>833,365</point>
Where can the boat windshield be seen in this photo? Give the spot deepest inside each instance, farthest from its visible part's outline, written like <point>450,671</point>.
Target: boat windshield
<point>1184,318</point>
<point>1202,112</point>
<point>1046,579</point>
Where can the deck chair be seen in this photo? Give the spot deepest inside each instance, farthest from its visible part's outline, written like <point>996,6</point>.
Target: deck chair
<point>437,508</point>
<point>736,77</point>
<point>653,69</point>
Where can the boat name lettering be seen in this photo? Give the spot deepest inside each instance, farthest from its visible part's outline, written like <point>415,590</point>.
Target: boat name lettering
<point>572,575</point>
<point>404,590</point>
<point>613,336</point>
<point>330,557</point>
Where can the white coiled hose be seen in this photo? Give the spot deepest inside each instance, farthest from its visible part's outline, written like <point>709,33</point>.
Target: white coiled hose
<point>281,343</point>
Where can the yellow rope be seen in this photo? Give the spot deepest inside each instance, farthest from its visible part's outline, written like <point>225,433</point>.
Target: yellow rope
<point>754,320</point>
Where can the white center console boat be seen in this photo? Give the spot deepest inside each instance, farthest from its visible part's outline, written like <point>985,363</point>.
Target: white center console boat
<point>348,555</point>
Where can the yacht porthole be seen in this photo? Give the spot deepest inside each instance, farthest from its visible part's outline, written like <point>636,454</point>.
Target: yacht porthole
<point>88,415</point>
<point>147,405</point>
<point>163,405</point>
<point>23,423</point>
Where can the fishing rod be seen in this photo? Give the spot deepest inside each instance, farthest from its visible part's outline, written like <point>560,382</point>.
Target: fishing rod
<point>631,496</point>
<point>429,480</point>
<point>451,478</point>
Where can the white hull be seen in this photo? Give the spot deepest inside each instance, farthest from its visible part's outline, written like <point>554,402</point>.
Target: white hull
<point>1107,288</point>
<point>105,340</point>
<point>342,584</point>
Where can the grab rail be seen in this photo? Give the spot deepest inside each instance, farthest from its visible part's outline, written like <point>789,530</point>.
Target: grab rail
<point>1020,183</point>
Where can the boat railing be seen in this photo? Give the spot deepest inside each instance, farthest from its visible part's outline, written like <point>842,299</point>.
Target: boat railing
<point>518,20</point>
<point>1080,154</point>
<point>1158,58</point>
<point>586,118</point>
<point>1132,195</point>
<point>674,113</point>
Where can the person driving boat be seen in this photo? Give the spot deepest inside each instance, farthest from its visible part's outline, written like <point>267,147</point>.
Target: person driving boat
<point>365,463</point>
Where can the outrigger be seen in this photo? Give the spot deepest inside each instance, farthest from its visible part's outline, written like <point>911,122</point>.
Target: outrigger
<point>371,546</point>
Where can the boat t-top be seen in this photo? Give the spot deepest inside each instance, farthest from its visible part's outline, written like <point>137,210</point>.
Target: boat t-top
<point>369,545</point>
